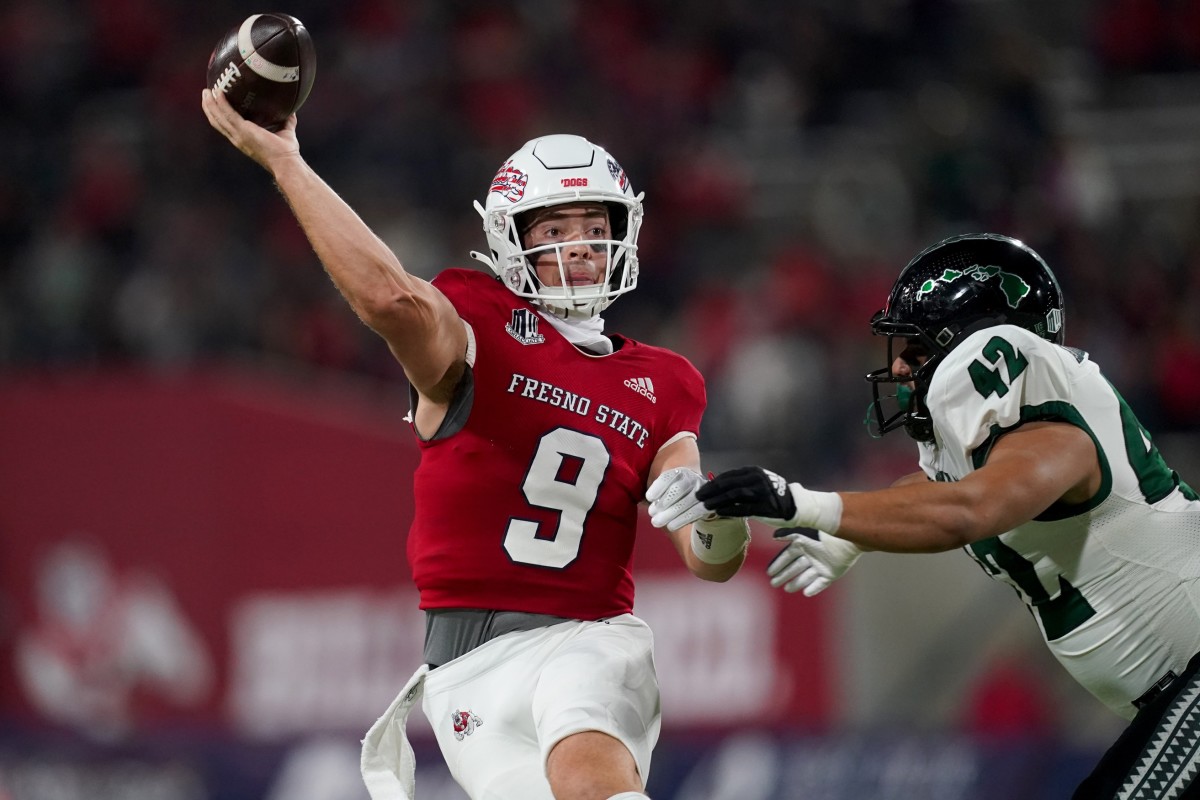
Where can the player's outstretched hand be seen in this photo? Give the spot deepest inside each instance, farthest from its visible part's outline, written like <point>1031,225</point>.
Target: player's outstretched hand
<point>672,497</point>
<point>750,492</point>
<point>255,141</point>
<point>761,494</point>
<point>810,563</point>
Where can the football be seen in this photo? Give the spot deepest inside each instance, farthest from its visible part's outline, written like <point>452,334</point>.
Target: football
<point>265,65</point>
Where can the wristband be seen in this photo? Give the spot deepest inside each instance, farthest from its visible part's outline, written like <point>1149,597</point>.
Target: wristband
<point>716,541</point>
<point>819,510</point>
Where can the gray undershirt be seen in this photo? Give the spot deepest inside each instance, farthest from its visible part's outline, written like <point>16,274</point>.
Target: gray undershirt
<point>451,632</point>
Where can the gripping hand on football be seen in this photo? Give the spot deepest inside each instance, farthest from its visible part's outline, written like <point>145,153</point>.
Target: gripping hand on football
<point>265,147</point>
<point>810,563</point>
<point>761,494</point>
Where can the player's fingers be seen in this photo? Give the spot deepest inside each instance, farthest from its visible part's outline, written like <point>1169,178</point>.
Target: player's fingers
<point>802,582</point>
<point>780,562</point>
<point>734,500</point>
<point>659,519</point>
<point>816,587</point>
<point>718,484</point>
<point>667,487</point>
<point>726,482</point>
<point>216,104</point>
<point>784,556</point>
<point>207,105</point>
<point>791,571</point>
<point>723,503</point>
<point>218,111</point>
<point>233,125</point>
<point>676,515</point>
<point>673,485</point>
<point>691,516</point>
<point>658,487</point>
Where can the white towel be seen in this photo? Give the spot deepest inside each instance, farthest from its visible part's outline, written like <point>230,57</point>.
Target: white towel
<point>388,765</point>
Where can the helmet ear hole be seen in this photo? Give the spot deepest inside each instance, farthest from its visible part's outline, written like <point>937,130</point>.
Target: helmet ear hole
<point>618,220</point>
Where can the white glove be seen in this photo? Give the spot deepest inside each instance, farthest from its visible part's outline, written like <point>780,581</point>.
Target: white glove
<point>672,497</point>
<point>809,564</point>
<point>673,504</point>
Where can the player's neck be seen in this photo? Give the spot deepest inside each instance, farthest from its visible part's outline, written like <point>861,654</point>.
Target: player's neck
<point>586,334</point>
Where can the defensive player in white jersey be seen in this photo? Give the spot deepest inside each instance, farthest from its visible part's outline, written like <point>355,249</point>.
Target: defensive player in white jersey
<point>539,435</point>
<point>1033,463</point>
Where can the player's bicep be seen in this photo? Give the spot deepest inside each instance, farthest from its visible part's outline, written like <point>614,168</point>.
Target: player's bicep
<point>427,336</point>
<point>912,477</point>
<point>1033,467</point>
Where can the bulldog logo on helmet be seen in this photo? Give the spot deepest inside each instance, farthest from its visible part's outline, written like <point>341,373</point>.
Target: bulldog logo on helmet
<point>618,175</point>
<point>510,182</point>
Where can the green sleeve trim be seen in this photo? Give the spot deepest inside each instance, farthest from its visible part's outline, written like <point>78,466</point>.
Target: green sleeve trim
<point>1053,411</point>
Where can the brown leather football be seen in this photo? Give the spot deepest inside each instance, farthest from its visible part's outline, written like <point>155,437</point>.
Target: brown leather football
<point>265,65</point>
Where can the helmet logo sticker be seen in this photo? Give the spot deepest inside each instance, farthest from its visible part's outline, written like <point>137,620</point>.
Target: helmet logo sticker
<point>1054,320</point>
<point>1014,286</point>
<point>618,175</point>
<point>524,327</point>
<point>510,182</point>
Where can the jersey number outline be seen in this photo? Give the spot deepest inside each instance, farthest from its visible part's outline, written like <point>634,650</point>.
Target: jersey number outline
<point>1060,614</point>
<point>1156,480</point>
<point>1069,609</point>
<point>987,381</point>
<point>546,486</point>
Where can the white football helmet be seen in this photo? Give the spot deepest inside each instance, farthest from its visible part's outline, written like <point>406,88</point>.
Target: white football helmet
<point>549,171</point>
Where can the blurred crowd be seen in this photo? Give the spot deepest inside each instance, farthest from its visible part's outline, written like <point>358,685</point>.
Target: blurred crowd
<point>794,157</point>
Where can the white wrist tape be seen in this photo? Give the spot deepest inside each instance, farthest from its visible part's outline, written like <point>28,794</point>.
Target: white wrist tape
<point>819,510</point>
<point>715,541</point>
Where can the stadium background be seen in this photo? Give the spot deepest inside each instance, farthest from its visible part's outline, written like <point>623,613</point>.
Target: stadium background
<point>203,465</point>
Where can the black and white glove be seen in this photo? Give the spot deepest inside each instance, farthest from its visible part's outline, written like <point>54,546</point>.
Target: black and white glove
<point>761,494</point>
<point>810,563</point>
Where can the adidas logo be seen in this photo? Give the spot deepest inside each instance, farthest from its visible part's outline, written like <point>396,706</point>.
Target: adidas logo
<point>643,386</point>
<point>777,482</point>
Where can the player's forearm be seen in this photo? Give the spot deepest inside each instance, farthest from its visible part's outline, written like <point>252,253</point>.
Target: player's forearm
<point>925,517</point>
<point>716,555</point>
<point>719,572</point>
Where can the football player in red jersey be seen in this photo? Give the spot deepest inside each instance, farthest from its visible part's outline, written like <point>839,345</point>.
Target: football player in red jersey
<point>539,436</point>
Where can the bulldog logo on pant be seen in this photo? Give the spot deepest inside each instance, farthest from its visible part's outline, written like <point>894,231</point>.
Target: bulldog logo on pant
<point>465,723</point>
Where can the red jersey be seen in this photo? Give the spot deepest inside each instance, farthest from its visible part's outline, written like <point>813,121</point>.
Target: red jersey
<point>532,505</point>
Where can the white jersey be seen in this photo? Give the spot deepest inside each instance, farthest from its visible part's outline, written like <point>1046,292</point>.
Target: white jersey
<point>1114,584</point>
